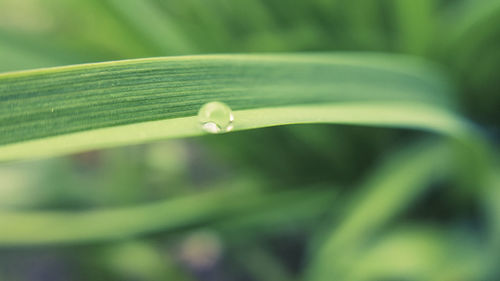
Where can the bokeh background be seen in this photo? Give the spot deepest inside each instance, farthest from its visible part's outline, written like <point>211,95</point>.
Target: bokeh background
<point>277,192</point>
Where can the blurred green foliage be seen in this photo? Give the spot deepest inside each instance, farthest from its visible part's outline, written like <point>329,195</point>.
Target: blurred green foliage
<point>301,202</point>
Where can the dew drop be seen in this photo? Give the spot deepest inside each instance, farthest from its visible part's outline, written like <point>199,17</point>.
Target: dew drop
<point>216,117</point>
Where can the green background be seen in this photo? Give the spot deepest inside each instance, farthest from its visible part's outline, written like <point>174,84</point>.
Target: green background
<point>298,202</point>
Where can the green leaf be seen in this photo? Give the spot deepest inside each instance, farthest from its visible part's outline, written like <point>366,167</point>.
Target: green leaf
<point>222,205</point>
<point>391,189</point>
<point>63,110</point>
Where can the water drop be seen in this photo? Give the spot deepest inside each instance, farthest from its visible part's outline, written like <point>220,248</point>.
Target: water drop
<point>216,117</point>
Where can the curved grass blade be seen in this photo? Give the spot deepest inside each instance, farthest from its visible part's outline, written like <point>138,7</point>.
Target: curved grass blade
<point>391,189</point>
<point>62,110</point>
<point>389,114</point>
<point>223,206</point>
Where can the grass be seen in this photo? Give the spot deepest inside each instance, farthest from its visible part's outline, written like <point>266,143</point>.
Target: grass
<point>76,109</point>
<point>364,147</point>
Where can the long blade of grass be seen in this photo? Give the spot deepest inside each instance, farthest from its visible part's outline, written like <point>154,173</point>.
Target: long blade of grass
<point>387,114</point>
<point>62,110</point>
<point>391,189</point>
<point>22,228</point>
